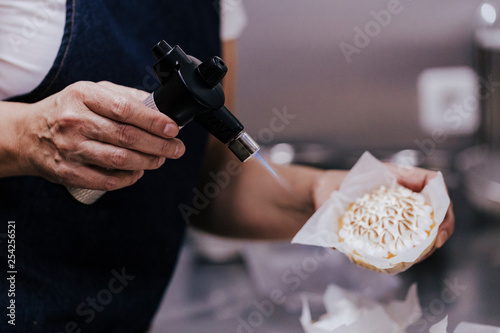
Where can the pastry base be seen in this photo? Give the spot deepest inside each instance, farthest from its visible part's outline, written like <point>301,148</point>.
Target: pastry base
<point>401,267</point>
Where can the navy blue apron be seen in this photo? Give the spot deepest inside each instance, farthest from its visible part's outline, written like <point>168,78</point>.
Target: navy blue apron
<point>104,267</point>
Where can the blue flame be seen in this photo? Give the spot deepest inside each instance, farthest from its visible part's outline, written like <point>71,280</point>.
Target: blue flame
<point>267,166</point>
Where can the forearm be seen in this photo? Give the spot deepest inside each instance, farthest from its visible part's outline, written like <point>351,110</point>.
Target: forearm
<point>256,204</point>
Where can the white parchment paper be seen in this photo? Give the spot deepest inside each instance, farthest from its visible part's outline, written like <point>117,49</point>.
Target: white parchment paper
<point>366,175</point>
<point>348,312</point>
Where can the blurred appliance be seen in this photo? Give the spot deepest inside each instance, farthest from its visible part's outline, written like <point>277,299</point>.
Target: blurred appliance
<point>487,42</point>
<point>481,164</point>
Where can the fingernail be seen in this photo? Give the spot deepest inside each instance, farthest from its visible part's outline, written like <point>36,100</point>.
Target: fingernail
<point>178,150</point>
<point>171,130</point>
<point>443,237</point>
<point>161,160</point>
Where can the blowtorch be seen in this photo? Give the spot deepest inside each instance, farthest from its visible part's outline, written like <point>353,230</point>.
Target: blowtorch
<point>190,90</point>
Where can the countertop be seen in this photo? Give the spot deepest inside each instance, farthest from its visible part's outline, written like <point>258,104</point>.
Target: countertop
<point>259,289</point>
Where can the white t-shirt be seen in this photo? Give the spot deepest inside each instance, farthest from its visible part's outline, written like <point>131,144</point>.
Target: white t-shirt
<point>31,32</point>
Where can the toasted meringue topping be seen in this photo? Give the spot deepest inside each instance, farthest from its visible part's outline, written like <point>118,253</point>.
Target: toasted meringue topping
<point>386,222</point>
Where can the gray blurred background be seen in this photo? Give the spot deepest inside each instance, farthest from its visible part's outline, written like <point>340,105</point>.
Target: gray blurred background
<point>290,56</point>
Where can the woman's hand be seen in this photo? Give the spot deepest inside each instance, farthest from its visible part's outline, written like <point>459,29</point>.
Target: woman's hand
<point>96,136</point>
<point>414,179</point>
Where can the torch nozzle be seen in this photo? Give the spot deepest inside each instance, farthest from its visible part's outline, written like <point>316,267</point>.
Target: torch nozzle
<point>243,146</point>
<point>161,49</point>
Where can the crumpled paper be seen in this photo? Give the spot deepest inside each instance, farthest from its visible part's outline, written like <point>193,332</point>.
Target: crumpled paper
<point>349,312</point>
<point>366,175</point>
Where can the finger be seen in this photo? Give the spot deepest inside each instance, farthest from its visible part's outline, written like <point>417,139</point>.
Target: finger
<point>416,185</point>
<point>117,158</point>
<point>412,178</point>
<point>107,103</point>
<point>139,95</point>
<point>415,179</point>
<point>446,228</point>
<point>128,136</point>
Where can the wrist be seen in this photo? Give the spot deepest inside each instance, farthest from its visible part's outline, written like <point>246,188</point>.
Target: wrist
<point>326,183</point>
<point>14,134</point>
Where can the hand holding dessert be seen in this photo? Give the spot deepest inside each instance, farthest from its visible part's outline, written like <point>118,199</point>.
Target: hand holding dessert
<point>381,216</point>
<point>414,179</point>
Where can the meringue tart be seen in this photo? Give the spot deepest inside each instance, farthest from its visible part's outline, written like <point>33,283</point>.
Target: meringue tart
<point>386,222</point>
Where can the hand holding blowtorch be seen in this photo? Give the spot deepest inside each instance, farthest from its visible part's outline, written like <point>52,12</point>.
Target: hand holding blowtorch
<point>190,90</point>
